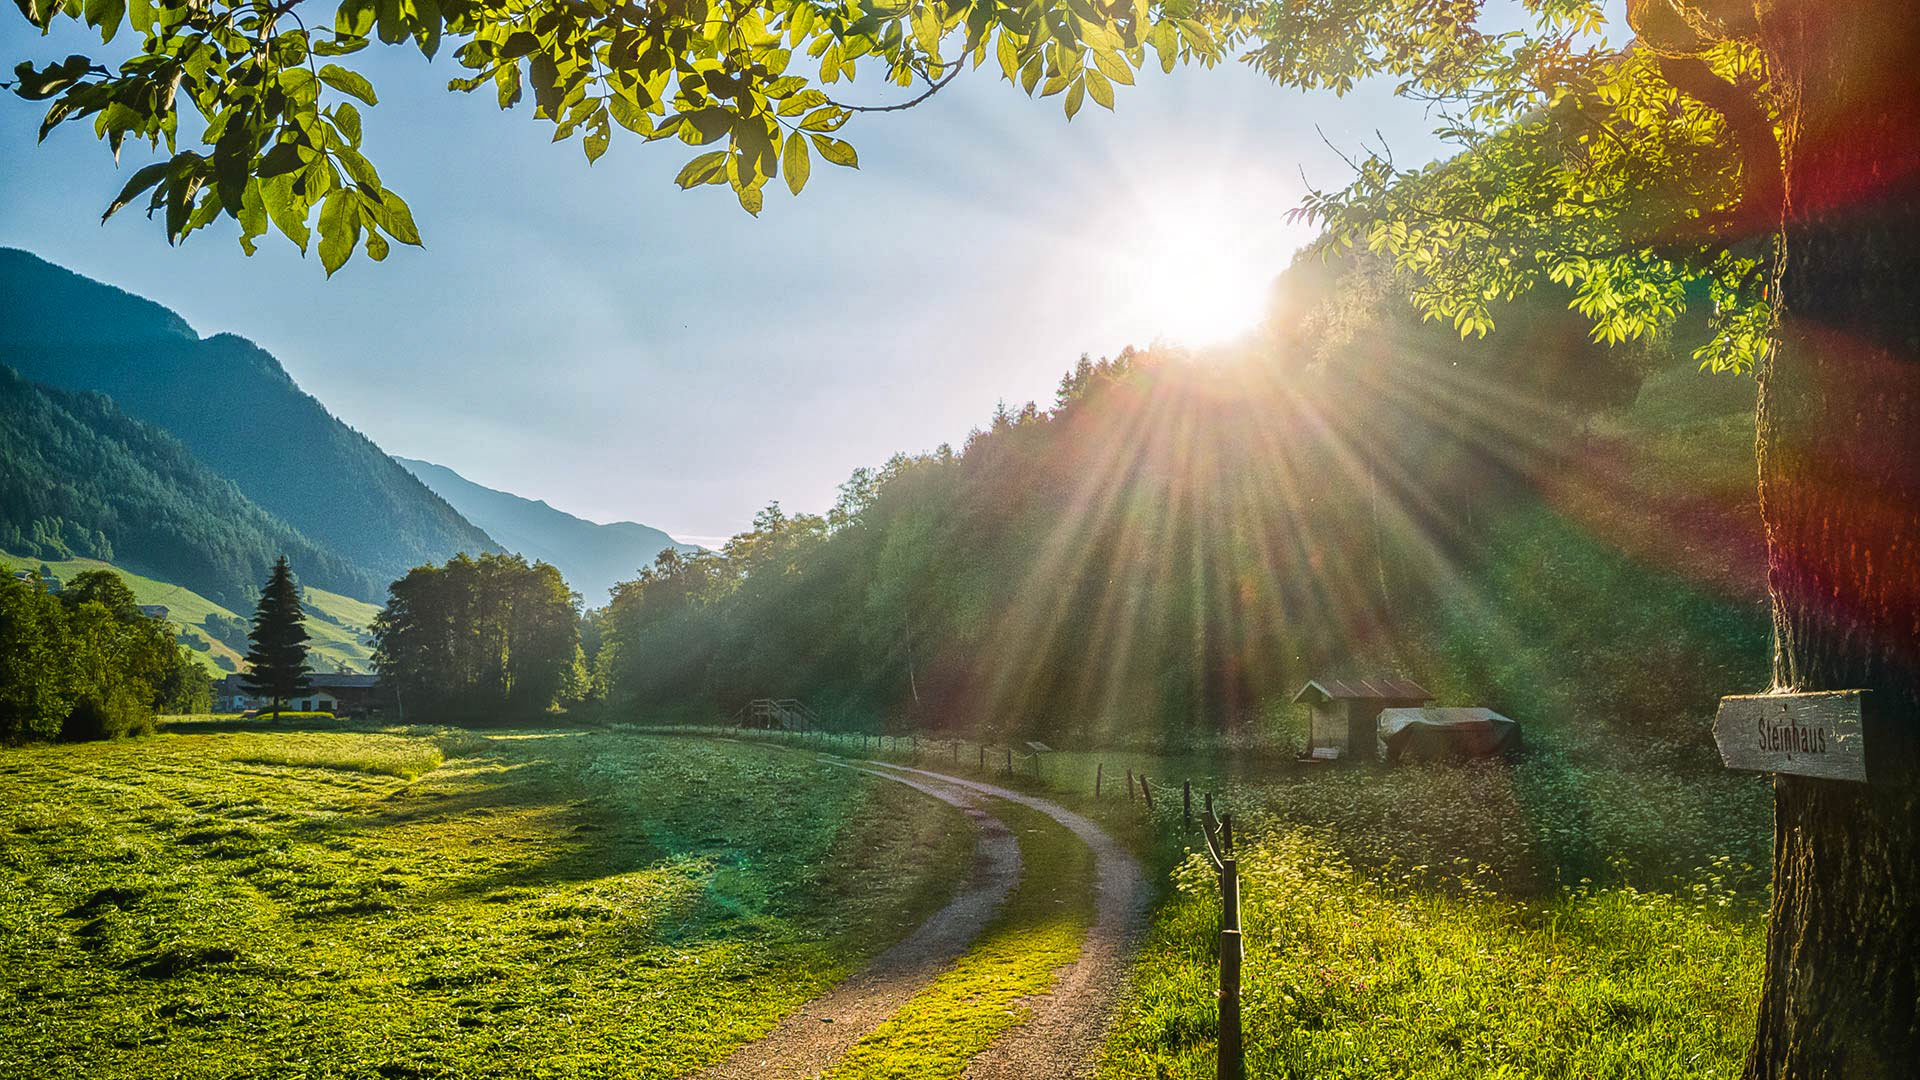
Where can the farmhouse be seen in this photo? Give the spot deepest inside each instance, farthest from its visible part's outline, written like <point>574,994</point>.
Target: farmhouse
<point>340,694</point>
<point>1346,714</point>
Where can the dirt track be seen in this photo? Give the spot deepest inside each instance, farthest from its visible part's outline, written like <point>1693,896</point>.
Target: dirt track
<point>1061,1037</point>
<point>1067,1025</point>
<point>817,1034</point>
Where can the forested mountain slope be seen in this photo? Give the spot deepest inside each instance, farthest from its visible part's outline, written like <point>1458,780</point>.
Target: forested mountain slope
<point>591,556</point>
<point>78,477</point>
<point>233,406</point>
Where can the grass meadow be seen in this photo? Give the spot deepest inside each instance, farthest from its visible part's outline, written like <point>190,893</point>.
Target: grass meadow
<point>1580,912</point>
<point>237,899</point>
<point>421,903</point>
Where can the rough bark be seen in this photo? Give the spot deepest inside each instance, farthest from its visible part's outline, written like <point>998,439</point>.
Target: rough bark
<point>1839,442</point>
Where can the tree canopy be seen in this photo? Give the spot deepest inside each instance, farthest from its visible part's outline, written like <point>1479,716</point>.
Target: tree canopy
<point>88,663</point>
<point>1583,164</point>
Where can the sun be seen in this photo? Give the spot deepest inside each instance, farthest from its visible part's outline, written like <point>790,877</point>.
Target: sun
<point>1201,272</point>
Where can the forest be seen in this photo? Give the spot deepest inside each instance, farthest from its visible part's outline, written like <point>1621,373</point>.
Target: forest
<point>1184,537</point>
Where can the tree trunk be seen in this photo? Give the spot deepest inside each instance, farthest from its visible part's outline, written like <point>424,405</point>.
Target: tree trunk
<point>1839,448</point>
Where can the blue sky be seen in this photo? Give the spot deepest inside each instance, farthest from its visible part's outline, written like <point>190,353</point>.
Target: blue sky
<point>600,339</point>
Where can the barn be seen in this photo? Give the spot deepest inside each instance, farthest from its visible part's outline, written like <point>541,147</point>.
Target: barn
<point>1346,714</point>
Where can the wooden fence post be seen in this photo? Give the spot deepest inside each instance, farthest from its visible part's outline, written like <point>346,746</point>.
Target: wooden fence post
<point>1147,792</point>
<point>1129,785</point>
<point>1218,833</point>
<point>1186,804</point>
<point>983,757</point>
<point>1099,769</point>
<point>1233,1053</point>
<point>1009,761</point>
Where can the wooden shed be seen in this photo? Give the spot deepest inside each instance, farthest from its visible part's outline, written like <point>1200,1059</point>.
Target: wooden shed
<point>1346,714</point>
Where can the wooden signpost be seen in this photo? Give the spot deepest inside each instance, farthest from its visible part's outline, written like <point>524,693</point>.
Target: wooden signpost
<point>1818,734</point>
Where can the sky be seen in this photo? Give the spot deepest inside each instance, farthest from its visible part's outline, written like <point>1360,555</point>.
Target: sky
<point>600,339</point>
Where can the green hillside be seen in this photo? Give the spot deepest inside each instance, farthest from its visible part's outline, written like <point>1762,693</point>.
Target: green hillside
<point>81,478</point>
<point>238,411</point>
<point>335,622</point>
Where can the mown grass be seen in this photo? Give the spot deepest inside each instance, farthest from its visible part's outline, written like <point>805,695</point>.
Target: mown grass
<point>541,904</point>
<point>405,758</point>
<point>1038,931</point>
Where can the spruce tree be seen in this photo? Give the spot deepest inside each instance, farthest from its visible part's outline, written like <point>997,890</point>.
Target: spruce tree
<point>277,656</point>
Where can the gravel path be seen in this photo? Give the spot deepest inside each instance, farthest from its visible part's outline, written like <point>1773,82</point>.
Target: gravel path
<point>820,1032</point>
<point>1067,1026</point>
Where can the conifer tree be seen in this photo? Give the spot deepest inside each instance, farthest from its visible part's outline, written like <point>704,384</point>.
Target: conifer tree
<point>277,659</point>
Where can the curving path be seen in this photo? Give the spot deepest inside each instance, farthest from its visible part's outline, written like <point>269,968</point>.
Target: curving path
<point>819,1033</point>
<point>1065,1027</point>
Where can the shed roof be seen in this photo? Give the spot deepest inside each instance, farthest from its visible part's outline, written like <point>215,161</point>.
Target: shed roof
<point>1376,689</point>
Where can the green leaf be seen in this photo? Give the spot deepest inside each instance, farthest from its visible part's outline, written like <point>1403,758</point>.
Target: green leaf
<point>138,183</point>
<point>546,83</point>
<point>750,199</point>
<point>252,216</point>
<point>1113,68</point>
<point>1099,88</point>
<point>354,18</point>
<point>702,169</point>
<point>1075,96</point>
<point>283,158</point>
<point>595,141</point>
<point>518,44</point>
<point>397,218</point>
<point>796,162</point>
<point>358,167</point>
<point>38,12</point>
<point>801,102</point>
<point>630,116</point>
<point>347,119</point>
<point>41,84</point>
<point>1009,55</point>
<point>831,118</point>
<point>702,126</point>
<point>835,151</point>
<point>339,228</point>
<point>376,247</point>
<point>287,211</point>
<point>104,16</point>
<point>348,82</point>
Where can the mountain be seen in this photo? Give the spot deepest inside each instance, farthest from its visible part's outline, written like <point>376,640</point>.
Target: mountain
<point>236,409</point>
<point>78,477</point>
<point>591,556</point>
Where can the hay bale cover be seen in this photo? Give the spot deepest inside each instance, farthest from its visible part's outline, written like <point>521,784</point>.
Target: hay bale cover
<point>1430,734</point>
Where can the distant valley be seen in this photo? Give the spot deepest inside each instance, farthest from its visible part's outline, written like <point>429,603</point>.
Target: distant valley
<point>591,556</point>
